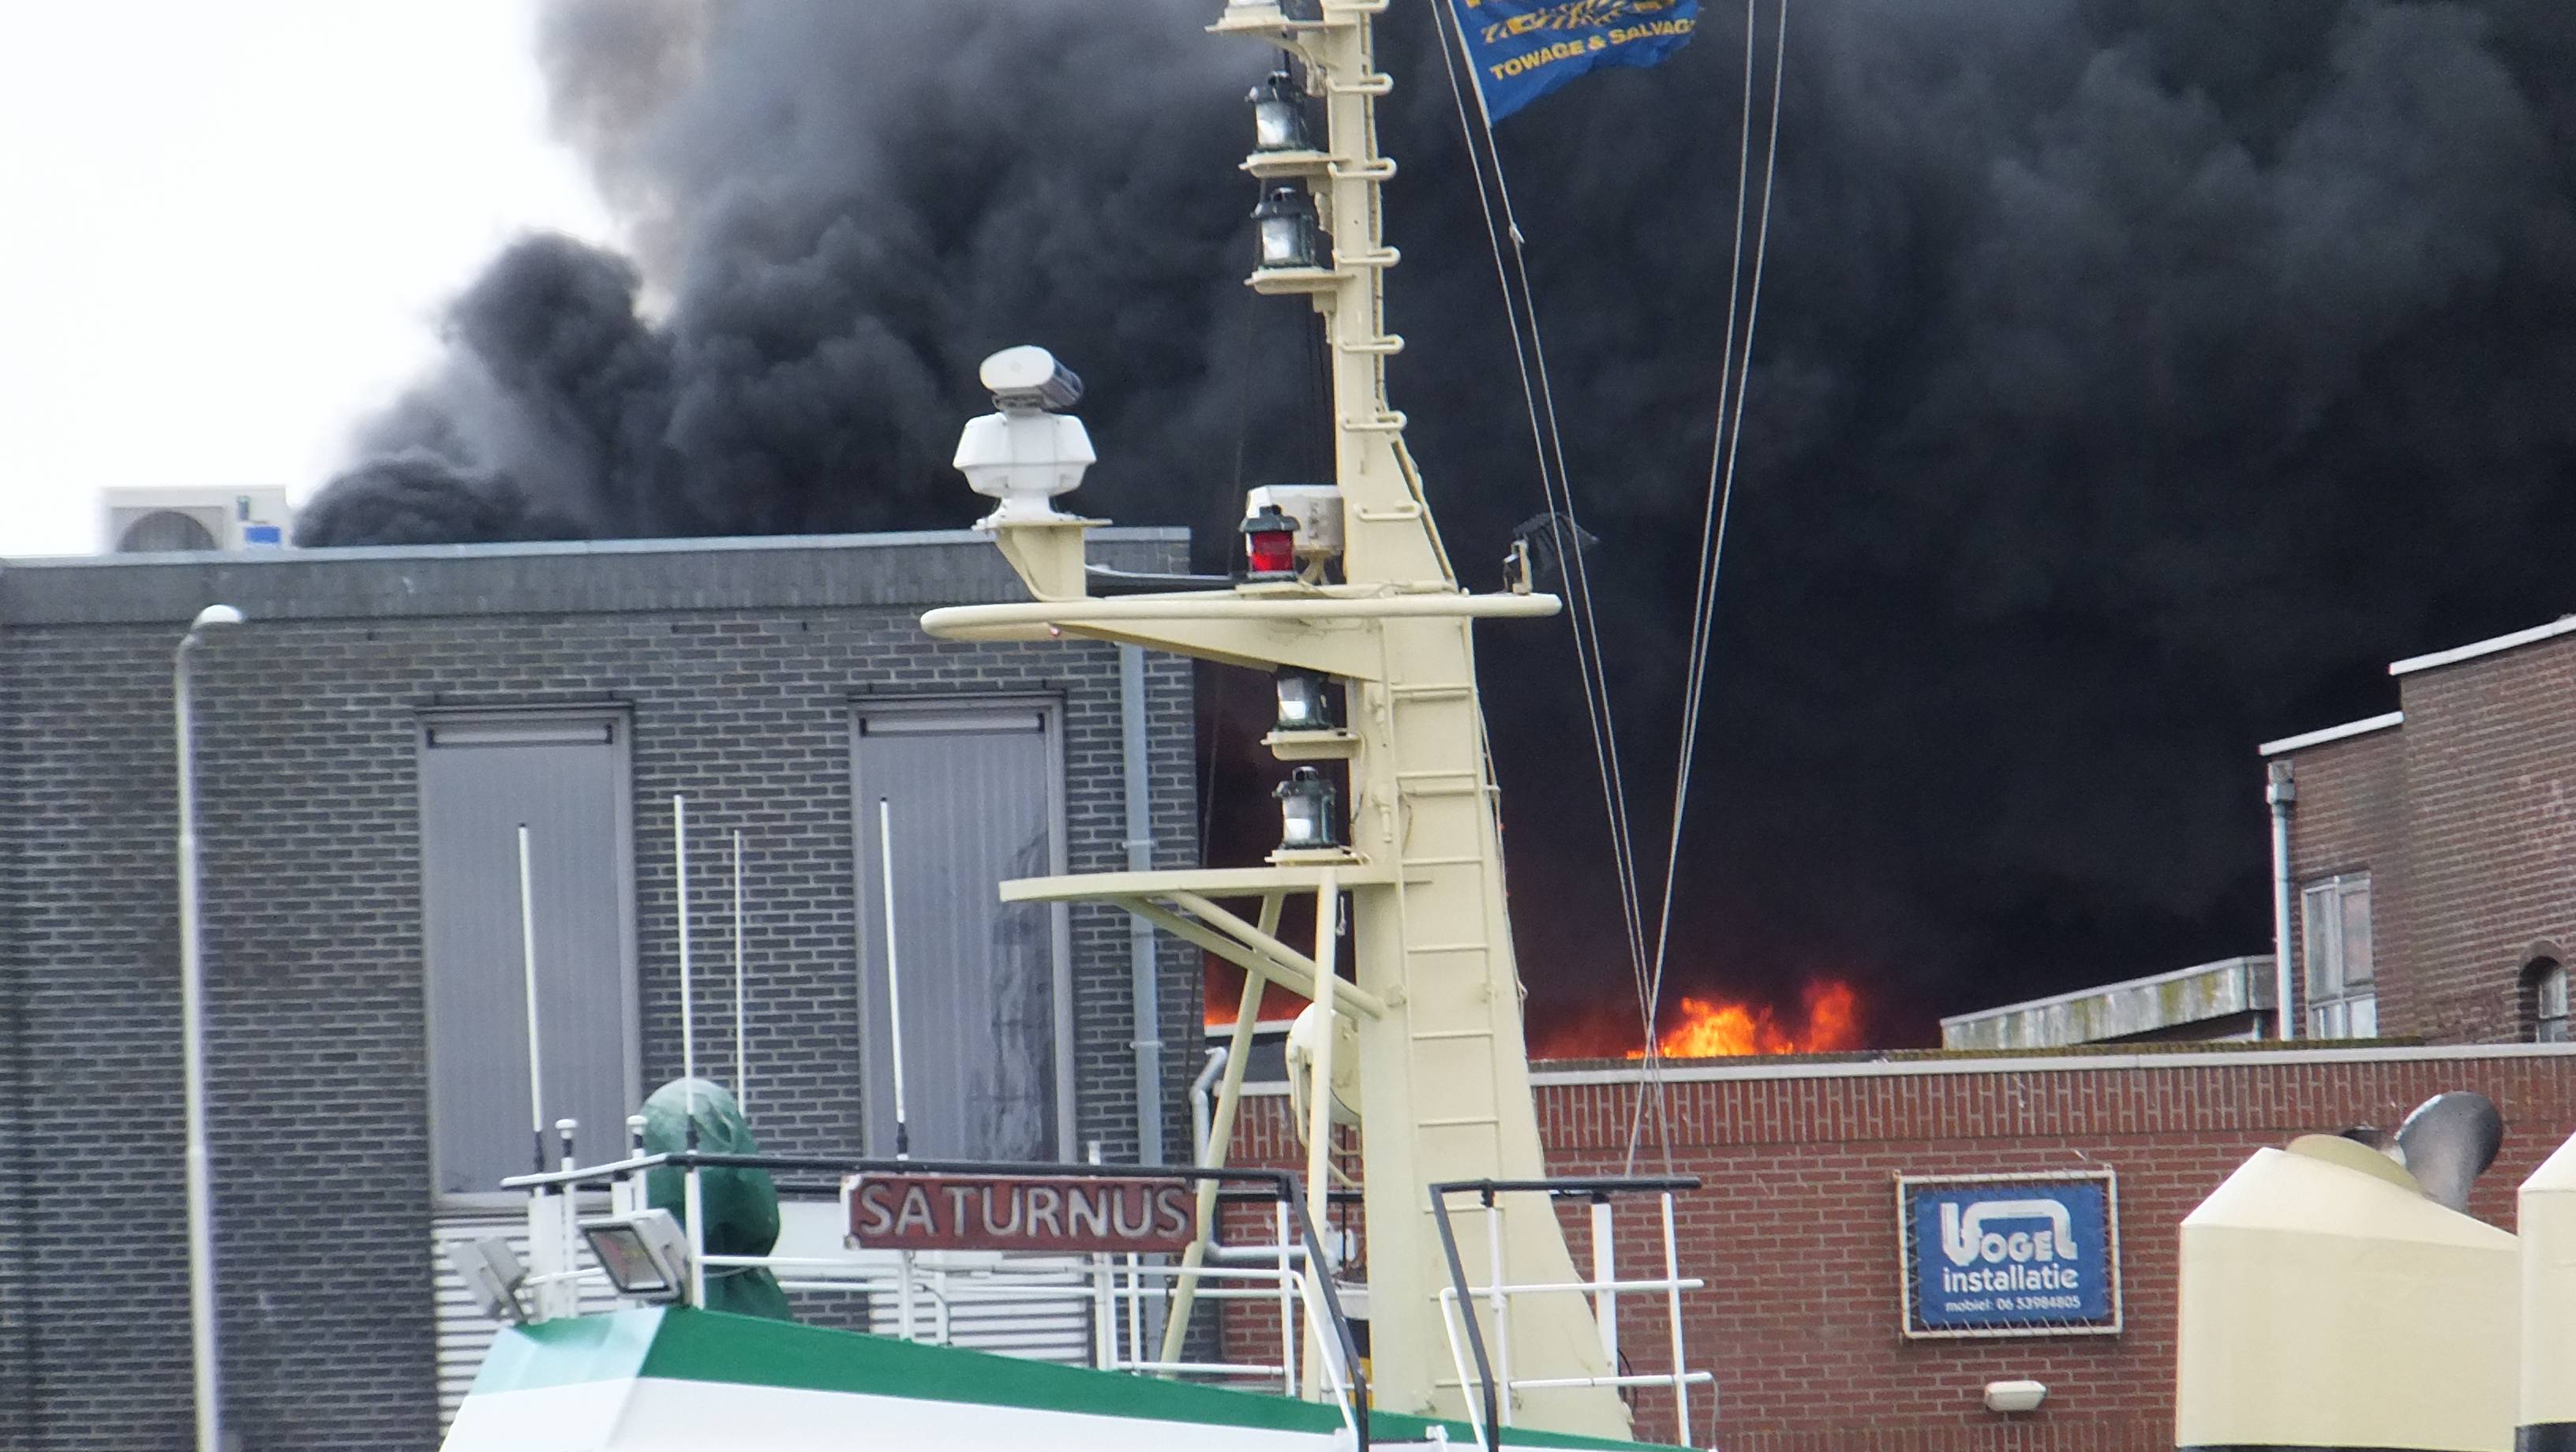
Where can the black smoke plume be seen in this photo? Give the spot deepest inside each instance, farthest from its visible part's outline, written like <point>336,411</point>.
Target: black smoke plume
<point>2134,380</point>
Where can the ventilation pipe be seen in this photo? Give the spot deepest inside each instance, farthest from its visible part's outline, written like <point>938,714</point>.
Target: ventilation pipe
<point>2327,1301</point>
<point>2282,792</point>
<point>2548,1224</point>
<point>1202,1090</point>
<point>1146,990</point>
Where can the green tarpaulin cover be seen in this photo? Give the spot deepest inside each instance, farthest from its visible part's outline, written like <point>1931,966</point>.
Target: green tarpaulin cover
<point>741,1205</point>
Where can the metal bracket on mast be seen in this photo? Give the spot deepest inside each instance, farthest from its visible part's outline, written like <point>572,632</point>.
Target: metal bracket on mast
<point>1183,904</point>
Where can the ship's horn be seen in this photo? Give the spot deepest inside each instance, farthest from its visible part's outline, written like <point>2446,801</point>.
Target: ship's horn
<point>2448,1142</point>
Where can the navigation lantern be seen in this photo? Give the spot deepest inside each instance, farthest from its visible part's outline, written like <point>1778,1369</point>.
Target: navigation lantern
<point>1305,701</point>
<point>1270,544</point>
<point>1307,807</point>
<point>1286,220</point>
<point>1279,115</point>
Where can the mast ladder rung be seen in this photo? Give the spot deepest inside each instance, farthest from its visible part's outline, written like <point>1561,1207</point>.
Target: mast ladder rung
<point>1399,514</point>
<point>1377,83</point>
<point>1271,165</point>
<point>1462,860</point>
<point>1476,947</point>
<point>1390,422</point>
<point>1459,1121</point>
<point>1384,345</point>
<point>1375,169</point>
<point>1337,9</point>
<point>1439,1035</point>
<point>1380,257</point>
<point>1438,691</point>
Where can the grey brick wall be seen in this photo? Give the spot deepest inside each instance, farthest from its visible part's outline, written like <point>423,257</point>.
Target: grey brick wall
<point>738,660</point>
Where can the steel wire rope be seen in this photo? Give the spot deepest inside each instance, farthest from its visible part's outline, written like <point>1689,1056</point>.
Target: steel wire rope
<point>1554,486</point>
<point>1654,1054</point>
<point>1724,452</point>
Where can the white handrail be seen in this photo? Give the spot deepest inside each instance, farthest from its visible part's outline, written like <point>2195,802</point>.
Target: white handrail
<point>1293,1290</point>
<point>1461,1301</point>
<point>1657,1378</point>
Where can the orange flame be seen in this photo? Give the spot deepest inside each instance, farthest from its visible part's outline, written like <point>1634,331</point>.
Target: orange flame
<point>1710,1028</point>
<point>1830,1018</point>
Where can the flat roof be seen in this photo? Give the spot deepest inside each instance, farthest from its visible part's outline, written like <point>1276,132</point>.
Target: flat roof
<point>2101,990</point>
<point>553,577</point>
<point>2344,732</point>
<point>2409,666</point>
<point>513,549</point>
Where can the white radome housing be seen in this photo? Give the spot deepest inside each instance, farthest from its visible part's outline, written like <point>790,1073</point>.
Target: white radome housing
<point>1024,454</point>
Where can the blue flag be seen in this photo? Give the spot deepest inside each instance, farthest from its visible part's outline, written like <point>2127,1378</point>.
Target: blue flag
<point>1523,49</point>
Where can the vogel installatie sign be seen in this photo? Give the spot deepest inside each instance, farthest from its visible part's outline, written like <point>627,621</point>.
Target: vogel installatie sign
<point>2010,1255</point>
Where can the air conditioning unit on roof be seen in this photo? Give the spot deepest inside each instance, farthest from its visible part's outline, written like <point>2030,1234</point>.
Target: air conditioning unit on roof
<point>152,521</point>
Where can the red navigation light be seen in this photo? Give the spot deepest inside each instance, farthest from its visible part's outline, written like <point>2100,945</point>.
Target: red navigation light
<point>1270,545</point>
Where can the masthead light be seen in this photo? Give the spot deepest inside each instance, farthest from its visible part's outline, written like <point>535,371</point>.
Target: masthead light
<point>1279,115</point>
<point>1305,701</point>
<point>1307,806</point>
<point>1286,220</point>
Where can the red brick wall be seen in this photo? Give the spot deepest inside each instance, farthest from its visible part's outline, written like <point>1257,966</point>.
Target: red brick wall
<point>1796,1231</point>
<point>2491,822</point>
<point>2351,817</point>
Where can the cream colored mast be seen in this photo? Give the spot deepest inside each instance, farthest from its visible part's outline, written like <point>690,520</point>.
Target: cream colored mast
<point>1444,1077</point>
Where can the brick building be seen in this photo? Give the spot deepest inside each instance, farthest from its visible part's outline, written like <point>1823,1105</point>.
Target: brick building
<point>2431,873</point>
<point>1798,1237</point>
<point>366,746</point>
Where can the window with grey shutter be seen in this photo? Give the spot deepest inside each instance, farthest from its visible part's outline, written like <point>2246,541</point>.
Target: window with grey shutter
<point>974,795</point>
<point>2342,977</point>
<point>564,776</point>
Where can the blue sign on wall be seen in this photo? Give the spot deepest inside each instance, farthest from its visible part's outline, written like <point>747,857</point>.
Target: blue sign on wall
<point>2010,1255</point>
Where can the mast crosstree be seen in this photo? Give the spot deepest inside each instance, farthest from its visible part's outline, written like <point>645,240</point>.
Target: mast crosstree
<point>1435,998</point>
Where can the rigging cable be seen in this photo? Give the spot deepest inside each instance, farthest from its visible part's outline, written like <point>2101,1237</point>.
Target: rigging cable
<point>1736,375</point>
<point>1562,519</point>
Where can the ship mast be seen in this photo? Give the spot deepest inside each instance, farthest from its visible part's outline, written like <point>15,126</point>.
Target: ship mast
<point>1434,1004</point>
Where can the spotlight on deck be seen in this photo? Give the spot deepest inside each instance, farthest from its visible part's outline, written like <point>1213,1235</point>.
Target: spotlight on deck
<point>1305,701</point>
<point>645,1253</point>
<point>492,1275</point>
<point>1307,806</point>
<point>1279,115</point>
<point>1286,221</point>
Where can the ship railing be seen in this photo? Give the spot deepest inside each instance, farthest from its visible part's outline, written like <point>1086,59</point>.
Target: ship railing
<point>1484,1365</point>
<point>1293,1273</point>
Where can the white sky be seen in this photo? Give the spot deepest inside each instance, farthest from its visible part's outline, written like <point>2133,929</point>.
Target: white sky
<point>227,228</point>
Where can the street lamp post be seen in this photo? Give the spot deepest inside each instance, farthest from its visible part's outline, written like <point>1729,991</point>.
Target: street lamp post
<point>192,1031</point>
